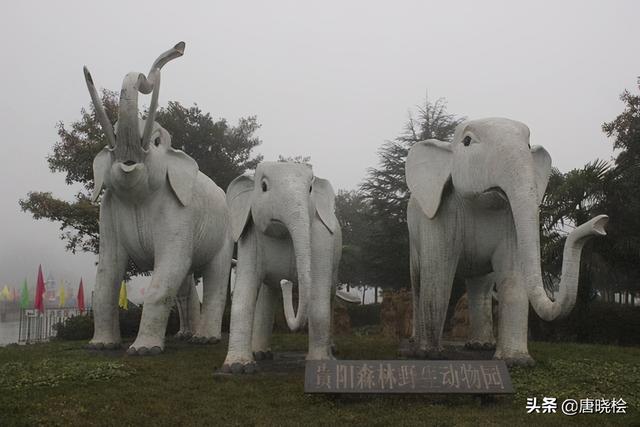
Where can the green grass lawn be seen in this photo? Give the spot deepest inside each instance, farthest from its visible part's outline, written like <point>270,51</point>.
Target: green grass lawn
<point>60,383</point>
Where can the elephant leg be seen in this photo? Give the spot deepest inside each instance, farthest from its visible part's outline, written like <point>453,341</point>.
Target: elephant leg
<point>188,308</point>
<point>112,264</point>
<point>441,245</point>
<point>332,305</point>
<point>168,276</point>
<point>414,272</point>
<point>513,309</point>
<point>263,322</point>
<point>512,321</point>
<point>322,258</point>
<point>215,283</point>
<point>245,292</point>
<point>480,312</point>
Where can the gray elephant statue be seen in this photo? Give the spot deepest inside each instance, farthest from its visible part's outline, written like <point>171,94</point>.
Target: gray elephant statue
<point>284,222</point>
<point>188,305</point>
<point>159,211</point>
<point>474,212</point>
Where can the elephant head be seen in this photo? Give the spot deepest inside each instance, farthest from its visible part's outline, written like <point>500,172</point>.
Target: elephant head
<point>491,161</point>
<point>139,158</point>
<point>282,200</point>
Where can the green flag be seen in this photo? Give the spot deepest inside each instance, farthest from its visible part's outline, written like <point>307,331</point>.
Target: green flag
<point>24,296</point>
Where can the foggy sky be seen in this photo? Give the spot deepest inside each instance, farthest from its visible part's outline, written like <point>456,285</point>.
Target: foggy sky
<point>332,80</point>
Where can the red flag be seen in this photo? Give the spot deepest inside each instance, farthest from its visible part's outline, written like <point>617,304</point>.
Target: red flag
<point>80,298</point>
<point>40,290</point>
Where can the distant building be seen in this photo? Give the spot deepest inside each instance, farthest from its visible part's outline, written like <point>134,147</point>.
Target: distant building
<point>51,291</point>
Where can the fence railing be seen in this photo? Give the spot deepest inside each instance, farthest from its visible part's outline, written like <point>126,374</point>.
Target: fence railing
<point>35,326</point>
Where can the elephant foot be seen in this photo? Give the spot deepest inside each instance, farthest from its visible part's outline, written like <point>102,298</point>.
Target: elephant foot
<point>431,353</point>
<point>263,355</point>
<point>203,340</point>
<point>146,347</point>
<point>517,360</point>
<point>144,351</point>
<point>320,355</point>
<point>479,345</point>
<point>183,335</point>
<point>99,345</point>
<point>239,368</point>
<point>406,352</point>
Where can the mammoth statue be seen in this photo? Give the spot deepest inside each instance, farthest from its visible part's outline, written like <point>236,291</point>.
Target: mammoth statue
<point>161,212</point>
<point>474,211</point>
<point>283,219</point>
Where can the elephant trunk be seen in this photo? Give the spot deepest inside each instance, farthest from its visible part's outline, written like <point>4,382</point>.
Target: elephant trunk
<point>128,130</point>
<point>153,83</point>
<point>299,228</point>
<point>128,147</point>
<point>525,212</point>
<point>128,122</point>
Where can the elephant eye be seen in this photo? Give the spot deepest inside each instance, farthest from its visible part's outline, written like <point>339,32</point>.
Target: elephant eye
<point>310,189</point>
<point>466,141</point>
<point>264,186</point>
<point>157,141</point>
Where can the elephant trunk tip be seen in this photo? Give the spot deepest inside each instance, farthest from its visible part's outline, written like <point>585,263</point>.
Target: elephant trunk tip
<point>599,223</point>
<point>294,322</point>
<point>179,47</point>
<point>594,227</point>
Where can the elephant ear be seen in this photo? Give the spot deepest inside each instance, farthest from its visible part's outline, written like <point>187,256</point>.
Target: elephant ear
<point>428,170</point>
<point>239,202</point>
<point>325,201</point>
<point>542,166</point>
<point>101,165</point>
<point>182,171</point>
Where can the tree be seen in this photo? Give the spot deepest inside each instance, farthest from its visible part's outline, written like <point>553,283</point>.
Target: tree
<point>351,213</point>
<point>610,264</point>
<point>622,203</point>
<point>571,199</point>
<point>222,152</point>
<point>295,159</point>
<point>386,194</point>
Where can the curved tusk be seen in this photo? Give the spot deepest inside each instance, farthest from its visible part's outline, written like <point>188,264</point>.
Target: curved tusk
<point>102,115</point>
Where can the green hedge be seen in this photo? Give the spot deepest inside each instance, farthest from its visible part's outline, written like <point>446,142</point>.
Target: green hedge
<point>75,328</point>
<point>595,323</point>
<point>364,315</point>
<point>81,327</point>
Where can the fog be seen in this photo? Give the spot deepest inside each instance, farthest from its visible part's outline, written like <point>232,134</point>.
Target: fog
<point>331,80</point>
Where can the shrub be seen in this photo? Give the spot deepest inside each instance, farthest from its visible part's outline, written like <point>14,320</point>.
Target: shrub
<point>130,321</point>
<point>75,328</point>
<point>81,327</point>
<point>596,323</point>
<point>364,315</point>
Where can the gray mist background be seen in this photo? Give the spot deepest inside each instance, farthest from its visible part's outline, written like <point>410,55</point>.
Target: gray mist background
<point>331,80</point>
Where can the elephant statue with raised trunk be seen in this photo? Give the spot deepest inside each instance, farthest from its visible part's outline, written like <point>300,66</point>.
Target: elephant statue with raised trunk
<point>474,212</point>
<point>284,222</point>
<point>159,211</point>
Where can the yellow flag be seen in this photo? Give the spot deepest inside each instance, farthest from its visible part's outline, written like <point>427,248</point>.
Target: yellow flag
<point>123,302</point>
<point>5,293</point>
<point>62,295</point>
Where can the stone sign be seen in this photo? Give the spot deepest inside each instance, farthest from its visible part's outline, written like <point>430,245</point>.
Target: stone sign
<point>407,376</point>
